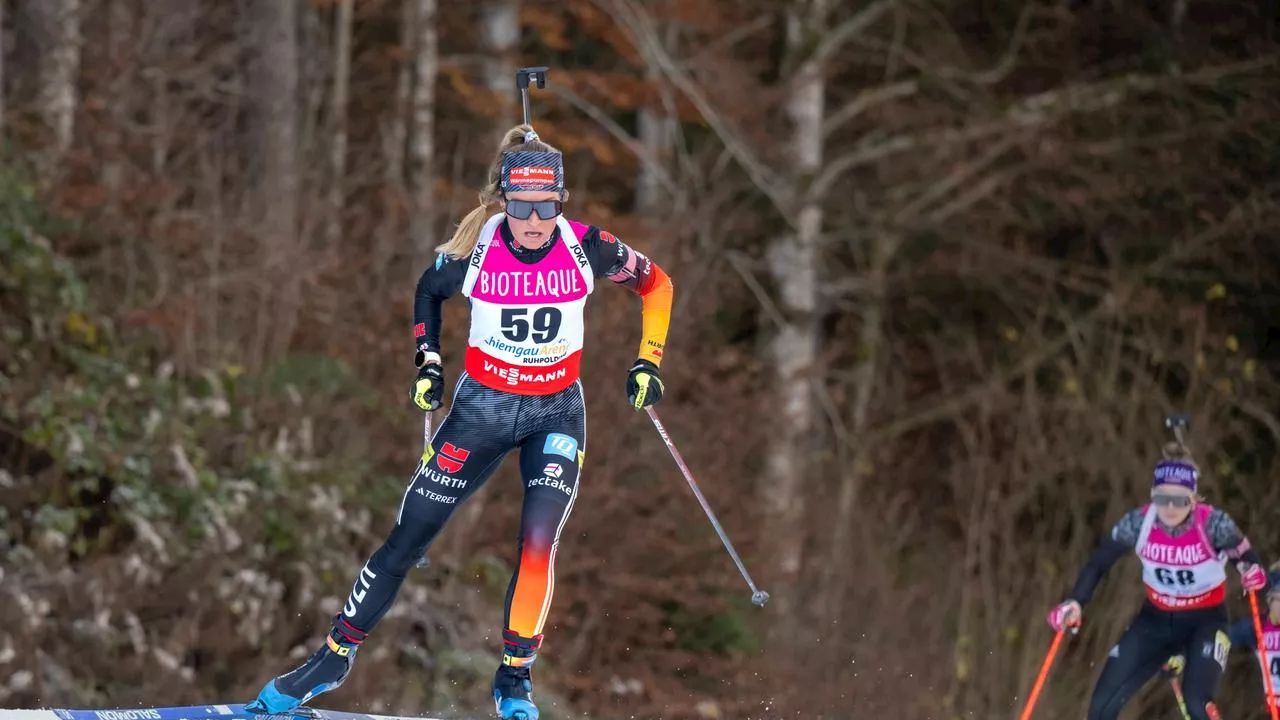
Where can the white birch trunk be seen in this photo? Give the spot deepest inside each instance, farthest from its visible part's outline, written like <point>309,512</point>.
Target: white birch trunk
<point>793,259</point>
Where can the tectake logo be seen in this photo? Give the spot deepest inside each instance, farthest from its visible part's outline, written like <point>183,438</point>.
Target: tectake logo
<point>551,482</point>
<point>554,470</point>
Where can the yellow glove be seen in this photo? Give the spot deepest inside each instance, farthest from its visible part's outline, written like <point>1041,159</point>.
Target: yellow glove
<point>644,385</point>
<point>428,388</point>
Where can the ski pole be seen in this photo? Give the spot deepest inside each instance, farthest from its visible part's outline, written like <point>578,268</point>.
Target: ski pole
<point>1176,684</point>
<point>1044,673</point>
<point>758,596</point>
<point>1173,671</point>
<point>1262,654</point>
<point>426,445</point>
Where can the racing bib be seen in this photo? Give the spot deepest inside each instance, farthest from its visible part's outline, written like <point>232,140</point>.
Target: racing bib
<point>1183,572</point>
<point>526,319</point>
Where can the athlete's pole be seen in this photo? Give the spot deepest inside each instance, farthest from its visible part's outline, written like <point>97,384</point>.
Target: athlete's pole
<point>538,75</point>
<point>1262,654</point>
<point>1179,423</point>
<point>1176,683</point>
<point>1044,673</point>
<point>758,596</point>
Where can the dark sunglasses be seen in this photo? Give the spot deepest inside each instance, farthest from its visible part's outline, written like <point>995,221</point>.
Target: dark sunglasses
<point>522,209</point>
<point>1163,500</point>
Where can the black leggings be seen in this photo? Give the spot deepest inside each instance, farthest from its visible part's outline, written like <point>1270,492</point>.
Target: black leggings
<point>1152,638</point>
<point>482,427</point>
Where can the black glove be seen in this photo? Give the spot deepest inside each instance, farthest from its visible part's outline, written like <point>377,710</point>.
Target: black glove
<point>428,388</point>
<point>644,385</point>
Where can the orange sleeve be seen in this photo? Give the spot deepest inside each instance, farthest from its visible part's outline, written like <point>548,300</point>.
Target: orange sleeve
<point>656,293</point>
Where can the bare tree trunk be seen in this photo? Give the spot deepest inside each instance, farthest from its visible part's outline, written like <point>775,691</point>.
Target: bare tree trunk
<point>338,116</point>
<point>500,28</point>
<point>120,29</point>
<point>273,84</point>
<point>4,107</point>
<point>794,261</point>
<point>657,133</point>
<point>422,145</point>
<point>49,38</point>
<point>394,139</point>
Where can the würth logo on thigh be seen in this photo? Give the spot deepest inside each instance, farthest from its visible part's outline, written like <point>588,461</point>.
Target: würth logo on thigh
<point>451,458</point>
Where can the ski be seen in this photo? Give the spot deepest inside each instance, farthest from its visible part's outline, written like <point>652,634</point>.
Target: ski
<point>192,712</point>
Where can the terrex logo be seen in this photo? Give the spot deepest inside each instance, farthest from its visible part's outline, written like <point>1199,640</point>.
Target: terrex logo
<point>451,457</point>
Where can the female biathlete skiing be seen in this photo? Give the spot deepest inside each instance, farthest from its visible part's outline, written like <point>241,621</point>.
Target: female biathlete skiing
<point>1184,546</point>
<point>526,271</point>
<point>1243,636</point>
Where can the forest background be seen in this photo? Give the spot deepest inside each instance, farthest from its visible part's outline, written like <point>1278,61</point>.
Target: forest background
<point>941,269</point>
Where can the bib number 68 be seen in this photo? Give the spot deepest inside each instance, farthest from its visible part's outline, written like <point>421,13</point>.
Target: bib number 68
<point>1181,578</point>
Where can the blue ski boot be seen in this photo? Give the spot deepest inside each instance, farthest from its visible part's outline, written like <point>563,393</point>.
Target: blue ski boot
<point>513,693</point>
<point>512,684</point>
<point>323,671</point>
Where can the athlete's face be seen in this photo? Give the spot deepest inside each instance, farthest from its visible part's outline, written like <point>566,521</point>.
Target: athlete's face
<point>534,229</point>
<point>1173,503</point>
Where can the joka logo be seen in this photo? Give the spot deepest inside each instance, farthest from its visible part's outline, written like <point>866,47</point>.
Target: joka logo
<point>580,255</point>
<point>558,444</point>
<point>451,457</point>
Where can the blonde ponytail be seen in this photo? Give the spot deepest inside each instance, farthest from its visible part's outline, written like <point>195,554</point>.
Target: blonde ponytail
<point>467,233</point>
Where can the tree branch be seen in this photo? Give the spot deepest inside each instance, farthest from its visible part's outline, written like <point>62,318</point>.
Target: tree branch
<point>835,38</point>
<point>636,147</point>
<point>637,22</point>
<point>1034,111</point>
<point>1246,210</point>
<point>866,100</point>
